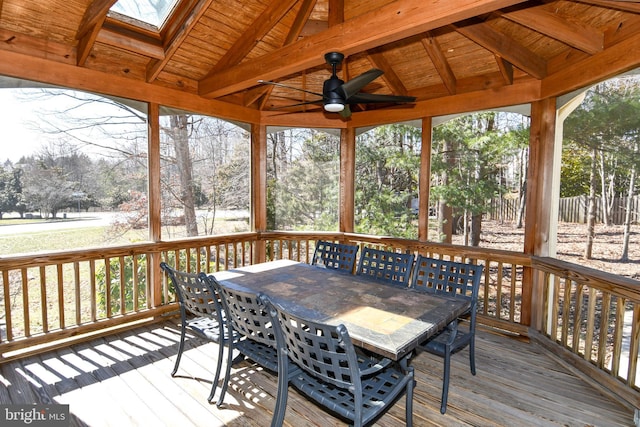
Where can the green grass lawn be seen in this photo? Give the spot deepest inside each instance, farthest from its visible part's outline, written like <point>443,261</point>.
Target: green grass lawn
<point>70,239</point>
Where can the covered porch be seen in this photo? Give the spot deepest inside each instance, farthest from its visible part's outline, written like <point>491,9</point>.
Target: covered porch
<point>559,342</point>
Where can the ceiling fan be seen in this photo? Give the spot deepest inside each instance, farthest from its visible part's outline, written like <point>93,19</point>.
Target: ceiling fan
<point>337,95</point>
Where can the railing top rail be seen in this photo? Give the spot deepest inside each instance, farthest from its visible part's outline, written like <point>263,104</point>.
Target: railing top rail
<point>612,283</point>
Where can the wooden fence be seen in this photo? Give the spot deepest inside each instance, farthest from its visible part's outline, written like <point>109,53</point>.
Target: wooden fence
<point>571,209</point>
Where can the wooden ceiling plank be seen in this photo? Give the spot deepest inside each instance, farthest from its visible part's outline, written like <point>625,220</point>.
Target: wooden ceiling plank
<point>254,33</point>
<point>116,39</point>
<point>633,7</point>
<point>432,47</point>
<point>390,77</point>
<point>572,33</point>
<point>384,25</point>
<point>155,67</point>
<point>296,29</point>
<point>89,28</point>
<point>484,35</point>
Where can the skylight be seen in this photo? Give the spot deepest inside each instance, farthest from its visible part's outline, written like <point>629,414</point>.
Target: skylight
<point>152,12</point>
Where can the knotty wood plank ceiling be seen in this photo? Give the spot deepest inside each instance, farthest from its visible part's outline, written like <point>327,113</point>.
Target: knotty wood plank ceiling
<point>427,49</point>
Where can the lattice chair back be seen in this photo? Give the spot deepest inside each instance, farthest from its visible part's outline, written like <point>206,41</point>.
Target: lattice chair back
<point>389,267</point>
<point>247,315</point>
<point>336,256</point>
<point>460,281</point>
<point>200,312</point>
<point>335,376</point>
<point>248,318</point>
<point>451,278</point>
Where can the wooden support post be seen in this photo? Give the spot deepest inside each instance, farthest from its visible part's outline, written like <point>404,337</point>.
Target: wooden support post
<point>258,210</point>
<point>347,179</point>
<point>425,179</point>
<point>155,203</point>
<point>539,198</point>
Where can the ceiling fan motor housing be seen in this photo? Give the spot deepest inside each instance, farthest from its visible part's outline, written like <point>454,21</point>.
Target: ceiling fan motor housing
<point>331,93</point>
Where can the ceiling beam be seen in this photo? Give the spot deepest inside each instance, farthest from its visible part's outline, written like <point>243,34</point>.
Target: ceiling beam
<point>498,43</point>
<point>506,69</point>
<point>617,59</point>
<point>439,61</point>
<point>570,32</point>
<point>390,77</point>
<point>150,48</point>
<point>90,26</point>
<point>395,21</point>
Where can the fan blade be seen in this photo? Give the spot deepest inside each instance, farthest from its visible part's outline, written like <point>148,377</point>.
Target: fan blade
<point>354,85</point>
<point>317,102</point>
<point>372,98</point>
<point>266,82</point>
<point>346,113</point>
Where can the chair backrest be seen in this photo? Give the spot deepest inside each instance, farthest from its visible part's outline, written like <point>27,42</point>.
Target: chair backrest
<point>195,294</point>
<point>246,313</point>
<point>324,351</point>
<point>456,279</point>
<point>337,256</point>
<point>390,267</point>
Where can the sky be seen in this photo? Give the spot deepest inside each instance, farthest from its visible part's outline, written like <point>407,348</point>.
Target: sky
<point>17,139</point>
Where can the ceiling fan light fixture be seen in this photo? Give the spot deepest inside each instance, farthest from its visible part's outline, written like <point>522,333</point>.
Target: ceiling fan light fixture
<point>334,107</point>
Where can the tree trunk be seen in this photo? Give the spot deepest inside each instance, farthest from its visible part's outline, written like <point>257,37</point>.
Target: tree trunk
<point>627,216</point>
<point>445,213</point>
<point>591,209</point>
<point>603,186</point>
<point>522,197</point>
<point>183,160</point>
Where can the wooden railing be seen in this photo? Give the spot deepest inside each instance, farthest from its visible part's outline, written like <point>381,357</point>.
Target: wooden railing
<point>53,299</point>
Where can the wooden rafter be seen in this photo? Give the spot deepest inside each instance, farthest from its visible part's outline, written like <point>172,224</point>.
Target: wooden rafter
<point>577,35</point>
<point>390,77</point>
<point>384,25</point>
<point>440,62</point>
<point>484,35</point>
<point>301,18</point>
<point>90,26</point>
<point>255,32</point>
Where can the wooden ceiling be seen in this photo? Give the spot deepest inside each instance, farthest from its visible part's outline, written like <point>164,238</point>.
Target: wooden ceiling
<point>451,55</point>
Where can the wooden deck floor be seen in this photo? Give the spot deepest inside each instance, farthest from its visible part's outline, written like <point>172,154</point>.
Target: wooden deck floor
<point>123,380</point>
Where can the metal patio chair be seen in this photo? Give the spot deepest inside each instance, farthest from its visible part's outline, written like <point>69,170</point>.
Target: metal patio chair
<point>254,337</point>
<point>200,312</point>
<point>458,280</point>
<point>388,267</point>
<point>334,375</point>
<point>337,256</point>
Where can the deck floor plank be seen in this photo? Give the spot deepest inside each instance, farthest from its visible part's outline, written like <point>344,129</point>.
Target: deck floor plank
<point>124,380</point>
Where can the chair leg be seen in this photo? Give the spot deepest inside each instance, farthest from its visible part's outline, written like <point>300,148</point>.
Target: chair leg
<point>472,355</point>
<point>409,405</point>
<point>216,378</point>
<point>281,401</point>
<point>227,374</point>
<point>445,382</point>
<point>180,348</point>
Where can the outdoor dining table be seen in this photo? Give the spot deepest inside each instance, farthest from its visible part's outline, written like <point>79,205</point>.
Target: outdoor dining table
<point>387,320</point>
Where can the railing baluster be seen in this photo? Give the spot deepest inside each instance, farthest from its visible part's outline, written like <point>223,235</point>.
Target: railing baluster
<point>44,306</point>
